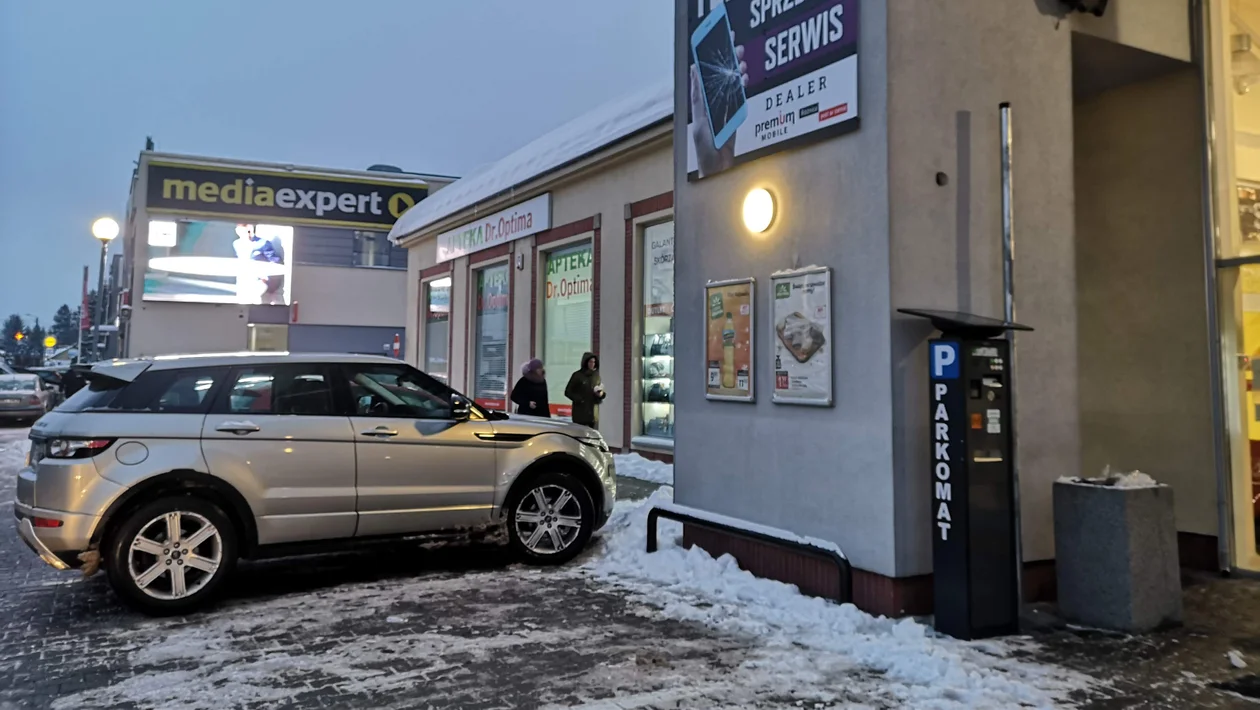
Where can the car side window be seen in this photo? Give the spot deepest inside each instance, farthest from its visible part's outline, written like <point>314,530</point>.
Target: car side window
<point>170,391</point>
<point>396,391</point>
<point>280,389</point>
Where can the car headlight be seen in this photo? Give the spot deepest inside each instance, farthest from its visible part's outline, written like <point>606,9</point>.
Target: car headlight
<point>596,442</point>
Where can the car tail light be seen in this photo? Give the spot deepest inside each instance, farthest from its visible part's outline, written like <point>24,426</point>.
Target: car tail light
<point>32,399</point>
<point>46,522</point>
<point>75,448</point>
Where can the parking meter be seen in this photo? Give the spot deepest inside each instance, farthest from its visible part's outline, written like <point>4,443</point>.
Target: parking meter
<point>971,429</point>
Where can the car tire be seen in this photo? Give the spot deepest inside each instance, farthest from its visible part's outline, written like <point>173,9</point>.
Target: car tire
<point>563,518</point>
<point>160,578</point>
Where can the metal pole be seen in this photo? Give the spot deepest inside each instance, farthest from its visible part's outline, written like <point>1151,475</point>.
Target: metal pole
<point>100,304</point>
<point>1008,311</point>
<point>79,324</point>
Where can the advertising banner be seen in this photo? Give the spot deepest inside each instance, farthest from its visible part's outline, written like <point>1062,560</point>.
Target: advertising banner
<point>800,313</point>
<point>728,339</point>
<point>274,196</point>
<point>568,296</point>
<point>491,366</point>
<point>218,262</point>
<point>518,221</point>
<point>766,75</point>
<point>658,271</point>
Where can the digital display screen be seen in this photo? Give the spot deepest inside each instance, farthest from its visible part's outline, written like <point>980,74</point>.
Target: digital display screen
<point>720,74</point>
<point>218,262</point>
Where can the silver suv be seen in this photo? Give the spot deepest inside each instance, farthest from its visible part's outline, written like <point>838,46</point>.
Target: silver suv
<point>165,471</point>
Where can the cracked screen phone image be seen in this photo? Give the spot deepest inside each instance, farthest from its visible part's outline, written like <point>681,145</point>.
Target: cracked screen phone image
<point>720,76</point>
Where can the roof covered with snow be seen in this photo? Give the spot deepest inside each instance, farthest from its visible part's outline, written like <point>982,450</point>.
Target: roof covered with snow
<point>574,140</point>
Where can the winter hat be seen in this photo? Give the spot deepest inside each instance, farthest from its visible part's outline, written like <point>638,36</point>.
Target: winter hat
<point>531,366</point>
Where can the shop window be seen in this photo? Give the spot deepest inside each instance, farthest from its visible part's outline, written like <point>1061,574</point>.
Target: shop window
<point>371,249</point>
<point>437,326</point>
<point>656,371</point>
<point>268,338</point>
<point>568,299</point>
<point>490,353</point>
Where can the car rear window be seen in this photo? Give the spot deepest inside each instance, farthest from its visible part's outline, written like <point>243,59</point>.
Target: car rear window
<point>98,394</point>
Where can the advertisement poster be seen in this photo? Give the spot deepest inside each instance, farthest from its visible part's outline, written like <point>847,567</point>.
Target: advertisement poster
<point>728,339</point>
<point>192,261</point>
<point>568,295</point>
<point>491,384</point>
<point>1249,211</point>
<point>767,75</point>
<point>658,271</point>
<point>800,312</point>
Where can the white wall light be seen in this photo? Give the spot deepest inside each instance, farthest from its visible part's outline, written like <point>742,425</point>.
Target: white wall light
<point>758,210</point>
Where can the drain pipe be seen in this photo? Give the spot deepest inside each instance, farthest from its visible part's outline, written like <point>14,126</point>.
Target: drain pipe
<point>1008,313</point>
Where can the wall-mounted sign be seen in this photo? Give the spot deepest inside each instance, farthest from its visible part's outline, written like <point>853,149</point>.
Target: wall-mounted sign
<point>800,313</point>
<point>278,196</point>
<point>767,75</point>
<point>728,339</point>
<point>522,220</point>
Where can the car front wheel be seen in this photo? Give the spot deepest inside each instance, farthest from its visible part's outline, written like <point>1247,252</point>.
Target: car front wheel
<point>171,556</point>
<point>551,519</point>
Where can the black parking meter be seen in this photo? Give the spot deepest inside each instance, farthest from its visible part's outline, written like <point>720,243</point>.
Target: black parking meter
<point>974,574</point>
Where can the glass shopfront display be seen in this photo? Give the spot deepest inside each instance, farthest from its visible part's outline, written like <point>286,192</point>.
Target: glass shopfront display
<point>568,296</point>
<point>490,349</point>
<point>437,328</point>
<point>657,353</point>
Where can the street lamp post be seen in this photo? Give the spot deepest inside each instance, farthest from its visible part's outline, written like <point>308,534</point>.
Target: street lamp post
<point>104,229</point>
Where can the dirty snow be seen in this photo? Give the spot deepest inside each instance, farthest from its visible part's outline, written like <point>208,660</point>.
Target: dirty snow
<point>1129,480</point>
<point>1236,659</point>
<point>903,660</point>
<point>581,136</point>
<point>766,530</point>
<point>635,466</point>
<point>12,458</point>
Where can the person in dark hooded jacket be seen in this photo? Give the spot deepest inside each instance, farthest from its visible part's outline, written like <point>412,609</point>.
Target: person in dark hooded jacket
<point>530,392</point>
<point>586,392</point>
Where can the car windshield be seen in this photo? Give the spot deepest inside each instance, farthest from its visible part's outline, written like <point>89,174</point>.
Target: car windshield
<point>17,383</point>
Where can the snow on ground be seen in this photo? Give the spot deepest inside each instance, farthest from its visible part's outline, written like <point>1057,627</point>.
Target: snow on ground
<point>13,446</point>
<point>905,660</point>
<point>635,466</point>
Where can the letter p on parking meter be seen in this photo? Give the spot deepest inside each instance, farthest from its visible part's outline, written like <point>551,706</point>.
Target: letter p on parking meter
<point>944,361</point>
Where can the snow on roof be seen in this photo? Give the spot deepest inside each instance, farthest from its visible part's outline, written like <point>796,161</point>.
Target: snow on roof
<point>580,137</point>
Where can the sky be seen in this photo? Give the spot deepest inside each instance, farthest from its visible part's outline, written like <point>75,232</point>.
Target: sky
<point>438,86</point>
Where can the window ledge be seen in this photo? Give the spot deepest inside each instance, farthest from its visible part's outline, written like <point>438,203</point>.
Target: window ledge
<point>652,443</point>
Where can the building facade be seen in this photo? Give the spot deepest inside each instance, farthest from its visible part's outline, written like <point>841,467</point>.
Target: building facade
<point>562,248</point>
<point>223,256</point>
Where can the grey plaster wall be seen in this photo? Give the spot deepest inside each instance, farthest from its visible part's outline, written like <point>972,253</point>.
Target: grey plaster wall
<point>820,472</point>
<point>1145,390</point>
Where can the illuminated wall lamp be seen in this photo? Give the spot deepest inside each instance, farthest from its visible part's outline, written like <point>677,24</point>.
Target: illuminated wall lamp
<point>758,210</point>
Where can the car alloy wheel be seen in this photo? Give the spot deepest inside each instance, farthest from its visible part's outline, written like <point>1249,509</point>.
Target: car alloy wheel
<point>175,555</point>
<point>548,520</point>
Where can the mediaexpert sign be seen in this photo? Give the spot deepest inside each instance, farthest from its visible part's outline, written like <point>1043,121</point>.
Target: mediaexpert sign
<point>278,197</point>
<point>518,221</point>
<point>767,74</point>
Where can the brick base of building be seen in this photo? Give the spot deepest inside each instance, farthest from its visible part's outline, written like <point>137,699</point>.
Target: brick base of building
<point>891,596</point>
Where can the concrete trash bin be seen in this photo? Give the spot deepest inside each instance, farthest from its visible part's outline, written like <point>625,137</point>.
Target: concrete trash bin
<point>1116,553</point>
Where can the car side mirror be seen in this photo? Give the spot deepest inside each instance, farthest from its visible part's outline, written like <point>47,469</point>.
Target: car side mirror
<point>461,411</point>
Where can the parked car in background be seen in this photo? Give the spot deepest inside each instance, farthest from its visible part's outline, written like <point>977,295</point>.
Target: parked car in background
<point>165,471</point>
<point>53,382</point>
<point>5,369</point>
<point>24,397</point>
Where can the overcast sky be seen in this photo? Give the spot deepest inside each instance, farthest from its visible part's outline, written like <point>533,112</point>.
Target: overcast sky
<point>440,86</point>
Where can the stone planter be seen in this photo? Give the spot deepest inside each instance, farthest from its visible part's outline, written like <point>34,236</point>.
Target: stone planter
<point>1116,554</point>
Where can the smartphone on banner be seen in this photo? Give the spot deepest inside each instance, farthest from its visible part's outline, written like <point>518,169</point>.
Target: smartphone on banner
<point>721,81</point>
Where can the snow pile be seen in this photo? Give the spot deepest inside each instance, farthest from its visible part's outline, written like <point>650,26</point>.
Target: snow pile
<point>902,659</point>
<point>12,459</point>
<point>766,530</point>
<point>1132,479</point>
<point>581,136</point>
<point>635,466</point>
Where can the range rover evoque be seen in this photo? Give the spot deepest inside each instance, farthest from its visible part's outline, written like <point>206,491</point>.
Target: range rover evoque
<point>165,471</point>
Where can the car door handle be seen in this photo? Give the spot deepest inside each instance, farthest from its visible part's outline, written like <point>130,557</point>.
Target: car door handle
<point>238,428</point>
<point>381,432</point>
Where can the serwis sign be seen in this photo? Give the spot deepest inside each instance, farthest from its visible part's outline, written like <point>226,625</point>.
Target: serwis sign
<point>279,197</point>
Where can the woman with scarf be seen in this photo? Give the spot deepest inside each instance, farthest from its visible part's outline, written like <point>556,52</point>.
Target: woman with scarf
<point>530,392</point>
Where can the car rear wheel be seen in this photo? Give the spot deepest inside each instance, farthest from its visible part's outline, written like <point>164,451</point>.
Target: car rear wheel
<point>550,519</point>
<point>171,556</point>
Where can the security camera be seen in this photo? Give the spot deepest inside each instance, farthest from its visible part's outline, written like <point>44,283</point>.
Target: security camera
<point>1093,7</point>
